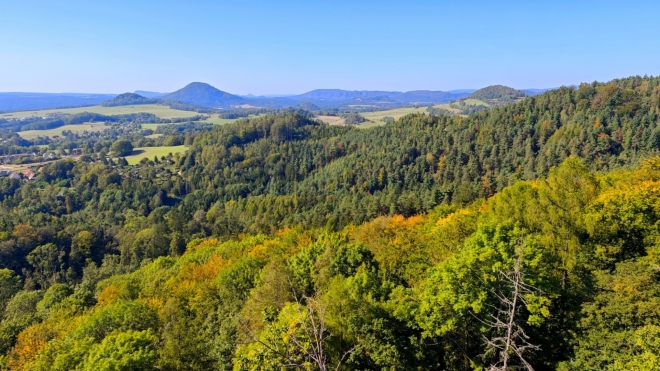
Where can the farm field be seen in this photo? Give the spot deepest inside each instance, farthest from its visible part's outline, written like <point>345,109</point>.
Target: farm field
<point>332,120</point>
<point>395,113</point>
<point>375,118</point>
<point>78,128</point>
<point>215,119</point>
<point>151,126</point>
<point>160,111</point>
<point>150,152</point>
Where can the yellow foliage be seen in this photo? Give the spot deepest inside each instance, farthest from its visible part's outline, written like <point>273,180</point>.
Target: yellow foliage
<point>28,345</point>
<point>211,242</point>
<point>108,295</point>
<point>203,272</point>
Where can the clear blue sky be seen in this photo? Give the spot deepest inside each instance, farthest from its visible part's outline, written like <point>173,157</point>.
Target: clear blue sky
<point>267,47</point>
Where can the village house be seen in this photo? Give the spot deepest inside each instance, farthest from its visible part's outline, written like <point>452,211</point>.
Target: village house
<point>29,174</point>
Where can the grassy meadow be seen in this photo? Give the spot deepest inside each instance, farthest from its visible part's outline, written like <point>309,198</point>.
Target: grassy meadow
<point>332,120</point>
<point>158,110</point>
<point>396,113</point>
<point>150,152</point>
<point>78,128</point>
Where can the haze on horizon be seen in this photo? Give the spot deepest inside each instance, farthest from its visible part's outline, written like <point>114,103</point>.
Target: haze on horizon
<point>291,47</point>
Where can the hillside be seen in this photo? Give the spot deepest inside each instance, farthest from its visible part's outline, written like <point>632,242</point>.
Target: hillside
<point>201,94</point>
<point>498,93</point>
<point>403,240</point>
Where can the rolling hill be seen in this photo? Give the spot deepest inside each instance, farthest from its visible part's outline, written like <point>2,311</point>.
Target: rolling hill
<point>202,94</point>
<point>498,93</point>
<point>128,99</point>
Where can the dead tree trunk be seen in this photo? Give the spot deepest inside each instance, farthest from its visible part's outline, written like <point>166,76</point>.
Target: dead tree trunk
<point>510,341</point>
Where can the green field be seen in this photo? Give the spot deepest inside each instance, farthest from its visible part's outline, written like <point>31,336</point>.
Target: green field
<point>151,126</point>
<point>476,102</point>
<point>396,113</point>
<point>79,128</point>
<point>160,111</point>
<point>150,152</point>
<point>215,119</point>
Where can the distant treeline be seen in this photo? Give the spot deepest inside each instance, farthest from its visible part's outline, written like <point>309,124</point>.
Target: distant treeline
<point>52,122</point>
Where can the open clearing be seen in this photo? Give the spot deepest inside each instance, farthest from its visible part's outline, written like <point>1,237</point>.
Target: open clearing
<point>150,152</point>
<point>78,128</point>
<point>376,118</point>
<point>160,111</point>
<point>396,113</point>
<point>332,120</point>
<point>215,119</point>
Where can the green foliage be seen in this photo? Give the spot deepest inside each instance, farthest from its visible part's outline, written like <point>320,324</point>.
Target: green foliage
<point>9,285</point>
<point>54,295</point>
<point>627,306</point>
<point>353,118</point>
<point>402,240</point>
<point>122,148</point>
<point>121,316</point>
<point>126,351</point>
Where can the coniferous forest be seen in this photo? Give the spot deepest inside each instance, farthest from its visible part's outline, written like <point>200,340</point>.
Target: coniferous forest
<point>525,236</point>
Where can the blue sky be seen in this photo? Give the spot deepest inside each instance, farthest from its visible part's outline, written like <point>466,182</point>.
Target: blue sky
<point>268,47</point>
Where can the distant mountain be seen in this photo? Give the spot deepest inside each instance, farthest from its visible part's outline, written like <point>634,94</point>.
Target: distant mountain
<point>427,97</point>
<point>498,93</point>
<point>128,99</point>
<point>535,91</point>
<point>149,94</point>
<point>338,95</point>
<point>37,101</point>
<point>330,97</point>
<point>462,91</point>
<point>202,94</point>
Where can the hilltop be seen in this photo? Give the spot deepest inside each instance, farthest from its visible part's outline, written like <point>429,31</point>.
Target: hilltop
<point>202,94</point>
<point>498,93</point>
<point>128,99</point>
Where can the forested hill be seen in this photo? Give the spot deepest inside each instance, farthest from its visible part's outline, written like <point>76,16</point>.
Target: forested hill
<point>498,93</point>
<point>577,252</point>
<point>402,242</point>
<point>317,174</point>
<point>128,99</point>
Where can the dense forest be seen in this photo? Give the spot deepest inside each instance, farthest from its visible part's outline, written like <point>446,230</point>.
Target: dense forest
<point>525,235</point>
